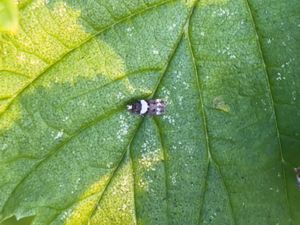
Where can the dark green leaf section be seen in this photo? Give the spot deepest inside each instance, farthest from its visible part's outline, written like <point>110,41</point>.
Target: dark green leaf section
<point>14,221</point>
<point>182,135</point>
<point>218,211</point>
<point>280,48</point>
<point>241,122</point>
<point>149,175</point>
<point>164,193</point>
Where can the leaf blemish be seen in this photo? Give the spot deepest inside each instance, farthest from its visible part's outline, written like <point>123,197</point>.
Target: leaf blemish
<point>219,103</point>
<point>59,135</point>
<point>149,159</point>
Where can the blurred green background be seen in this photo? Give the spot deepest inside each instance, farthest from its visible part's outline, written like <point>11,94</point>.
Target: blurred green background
<point>13,221</point>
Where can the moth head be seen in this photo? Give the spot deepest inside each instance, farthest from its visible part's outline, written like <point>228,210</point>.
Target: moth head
<point>134,107</point>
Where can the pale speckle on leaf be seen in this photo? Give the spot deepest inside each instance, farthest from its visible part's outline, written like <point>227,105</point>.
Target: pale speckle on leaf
<point>59,135</point>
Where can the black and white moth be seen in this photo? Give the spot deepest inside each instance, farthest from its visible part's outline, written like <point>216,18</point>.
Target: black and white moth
<point>153,107</point>
<point>297,171</point>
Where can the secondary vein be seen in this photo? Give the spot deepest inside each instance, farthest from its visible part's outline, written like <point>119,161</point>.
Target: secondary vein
<point>259,44</point>
<point>205,126</point>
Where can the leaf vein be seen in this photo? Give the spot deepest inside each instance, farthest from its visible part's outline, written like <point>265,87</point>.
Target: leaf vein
<point>205,125</point>
<point>164,150</point>
<point>13,73</point>
<point>259,45</point>
<point>128,75</point>
<point>80,130</point>
<point>113,173</point>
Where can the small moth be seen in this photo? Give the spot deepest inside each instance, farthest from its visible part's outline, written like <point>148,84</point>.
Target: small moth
<point>153,107</point>
<point>297,171</point>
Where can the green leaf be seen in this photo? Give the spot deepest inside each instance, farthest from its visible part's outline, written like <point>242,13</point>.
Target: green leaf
<point>224,151</point>
<point>8,16</point>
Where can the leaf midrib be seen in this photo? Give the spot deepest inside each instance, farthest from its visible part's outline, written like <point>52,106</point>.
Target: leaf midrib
<point>207,139</point>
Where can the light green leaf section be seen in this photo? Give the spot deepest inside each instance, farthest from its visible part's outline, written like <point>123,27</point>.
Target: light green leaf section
<point>8,16</point>
<point>222,154</point>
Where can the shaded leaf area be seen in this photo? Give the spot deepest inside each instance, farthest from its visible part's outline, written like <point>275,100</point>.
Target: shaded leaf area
<point>240,119</point>
<point>280,48</point>
<point>72,154</point>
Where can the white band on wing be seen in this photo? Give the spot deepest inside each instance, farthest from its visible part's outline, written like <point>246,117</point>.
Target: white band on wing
<point>144,107</point>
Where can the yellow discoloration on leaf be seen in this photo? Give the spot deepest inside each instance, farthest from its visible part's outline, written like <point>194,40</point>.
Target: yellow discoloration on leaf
<point>37,45</point>
<point>149,160</point>
<point>96,187</point>
<point>50,31</point>
<point>189,3</point>
<point>68,19</point>
<point>82,211</point>
<point>8,16</point>
<point>8,119</point>
<point>116,199</point>
<point>99,60</point>
<point>9,82</point>
<point>17,63</point>
<point>117,204</point>
<point>85,207</point>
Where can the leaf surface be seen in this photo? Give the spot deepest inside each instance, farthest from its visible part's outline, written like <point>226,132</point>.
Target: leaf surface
<point>8,16</point>
<point>224,151</point>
